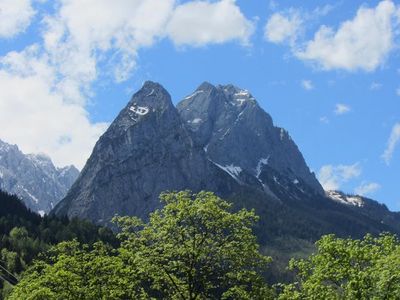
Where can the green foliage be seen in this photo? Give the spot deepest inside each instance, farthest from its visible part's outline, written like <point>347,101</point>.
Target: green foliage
<point>72,271</point>
<point>196,247</point>
<point>24,235</point>
<point>193,248</point>
<point>348,269</point>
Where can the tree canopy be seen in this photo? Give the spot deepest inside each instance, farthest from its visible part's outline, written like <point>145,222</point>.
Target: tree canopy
<point>193,248</point>
<point>348,269</point>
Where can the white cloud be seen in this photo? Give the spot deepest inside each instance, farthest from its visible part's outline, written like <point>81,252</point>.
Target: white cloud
<point>35,115</point>
<point>15,17</point>
<point>341,109</point>
<point>272,4</point>
<point>375,86</point>
<point>398,92</point>
<point>77,39</point>
<point>283,27</point>
<point>362,43</point>
<point>307,85</point>
<point>392,143</point>
<point>197,23</point>
<point>367,188</point>
<point>332,177</point>
<point>324,120</point>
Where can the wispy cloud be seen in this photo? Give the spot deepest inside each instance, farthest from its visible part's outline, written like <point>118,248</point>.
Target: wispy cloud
<point>324,120</point>
<point>307,85</point>
<point>341,109</point>
<point>367,188</point>
<point>375,86</point>
<point>392,142</point>
<point>332,177</point>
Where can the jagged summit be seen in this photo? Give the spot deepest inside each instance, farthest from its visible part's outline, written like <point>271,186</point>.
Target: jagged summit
<point>205,86</point>
<point>232,93</point>
<point>153,95</point>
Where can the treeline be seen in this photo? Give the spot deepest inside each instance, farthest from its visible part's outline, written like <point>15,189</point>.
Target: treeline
<point>197,247</point>
<point>24,235</point>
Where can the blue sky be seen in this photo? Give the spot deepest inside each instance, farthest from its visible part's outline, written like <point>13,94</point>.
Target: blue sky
<point>327,71</point>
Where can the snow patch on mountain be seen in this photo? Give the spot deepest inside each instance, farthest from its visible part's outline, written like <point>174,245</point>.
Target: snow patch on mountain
<point>345,199</point>
<point>195,121</point>
<point>194,94</point>
<point>140,110</point>
<point>261,162</point>
<point>233,171</point>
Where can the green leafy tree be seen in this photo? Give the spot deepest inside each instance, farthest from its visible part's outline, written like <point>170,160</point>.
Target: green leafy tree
<point>193,248</point>
<point>348,269</point>
<point>73,271</point>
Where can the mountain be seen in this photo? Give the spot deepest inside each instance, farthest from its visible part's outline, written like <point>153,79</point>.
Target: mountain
<point>219,139</point>
<point>145,151</point>
<point>34,178</point>
<point>367,207</point>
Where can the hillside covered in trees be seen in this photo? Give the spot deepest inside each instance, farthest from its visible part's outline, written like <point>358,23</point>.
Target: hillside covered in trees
<point>24,235</point>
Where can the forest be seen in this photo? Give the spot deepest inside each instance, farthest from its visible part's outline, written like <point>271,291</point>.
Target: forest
<point>196,247</point>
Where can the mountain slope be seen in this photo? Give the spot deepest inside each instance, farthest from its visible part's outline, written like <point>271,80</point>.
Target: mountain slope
<point>34,178</point>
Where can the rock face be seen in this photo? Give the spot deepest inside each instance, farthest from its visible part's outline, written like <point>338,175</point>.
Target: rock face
<point>217,139</point>
<point>239,136</point>
<point>145,151</point>
<point>34,178</point>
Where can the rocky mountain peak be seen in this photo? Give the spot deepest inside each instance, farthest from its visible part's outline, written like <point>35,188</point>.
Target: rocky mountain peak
<point>235,131</point>
<point>153,96</point>
<point>205,87</point>
<point>42,160</point>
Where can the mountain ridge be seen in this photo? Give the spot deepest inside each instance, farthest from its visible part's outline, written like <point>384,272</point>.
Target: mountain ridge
<point>34,178</point>
<point>219,139</point>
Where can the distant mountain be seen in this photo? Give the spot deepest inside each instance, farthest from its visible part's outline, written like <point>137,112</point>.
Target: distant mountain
<point>367,207</point>
<point>34,178</point>
<point>219,139</point>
